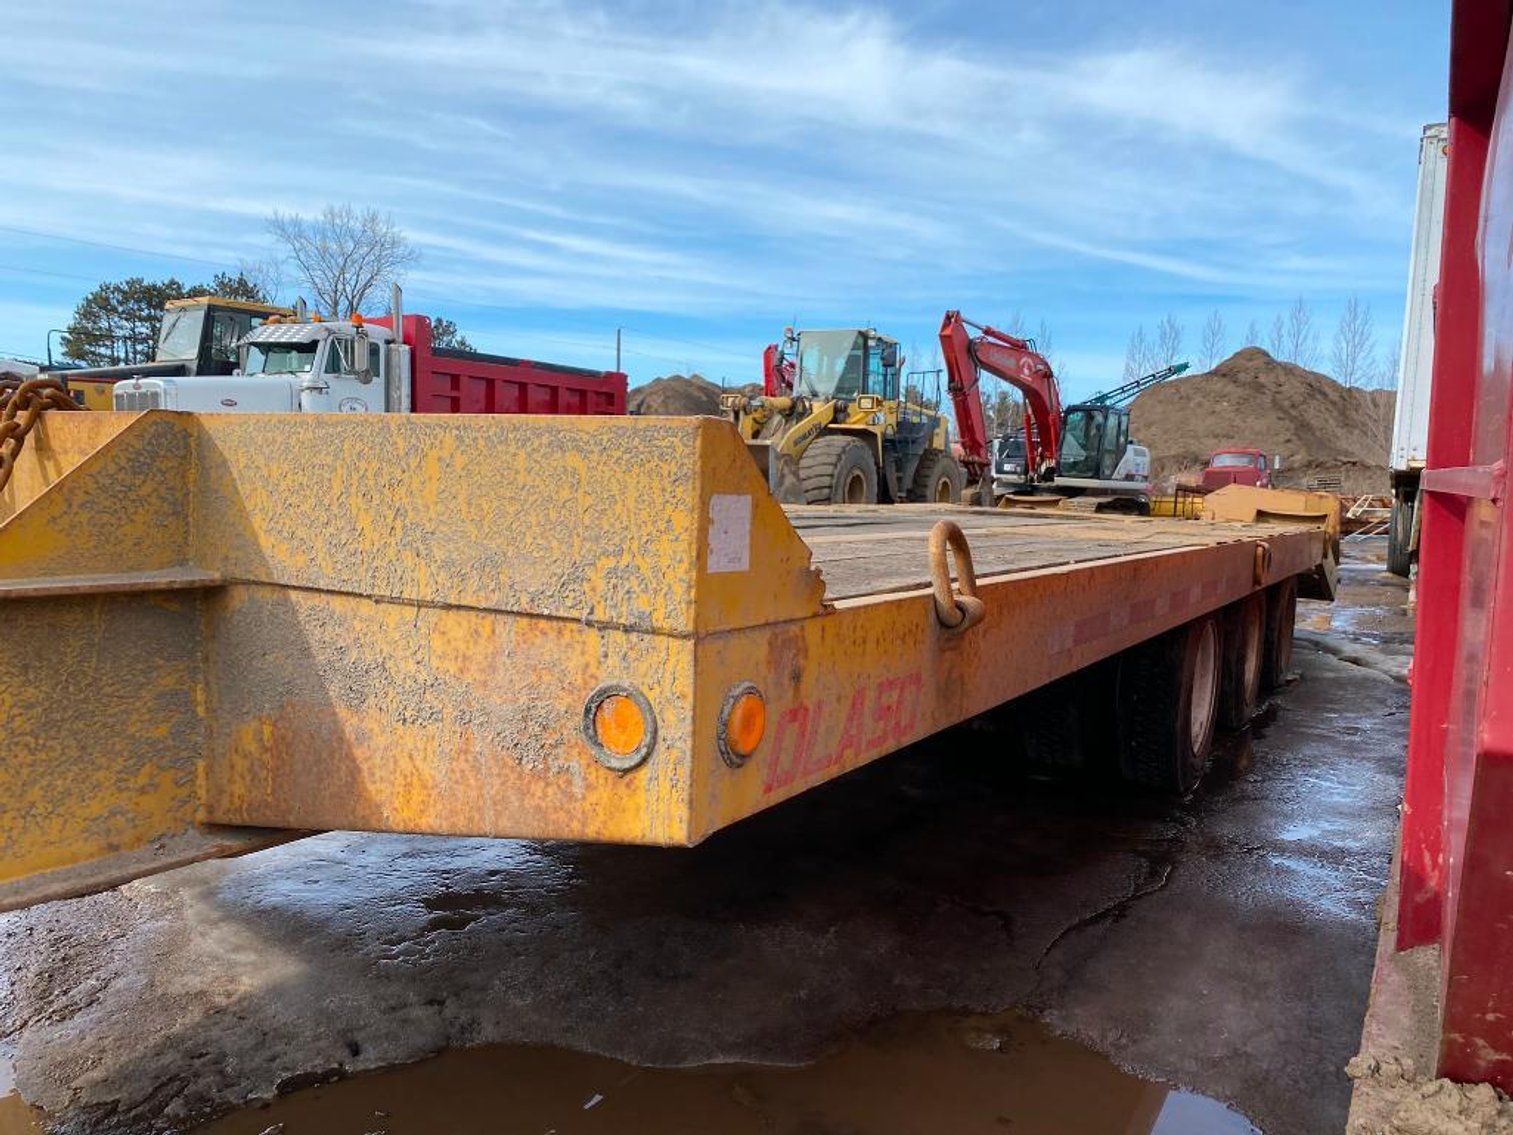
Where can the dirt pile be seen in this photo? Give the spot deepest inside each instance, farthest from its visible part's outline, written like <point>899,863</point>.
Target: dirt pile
<point>1318,427</point>
<point>679,395</point>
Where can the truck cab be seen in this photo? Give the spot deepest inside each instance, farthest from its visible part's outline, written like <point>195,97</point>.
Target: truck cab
<point>1237,467</point>
<point>198,336</point>
<point>284,367</point>
<point>1009,464</point>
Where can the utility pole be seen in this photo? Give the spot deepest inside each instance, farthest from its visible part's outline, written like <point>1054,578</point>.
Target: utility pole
<point>618,368</point>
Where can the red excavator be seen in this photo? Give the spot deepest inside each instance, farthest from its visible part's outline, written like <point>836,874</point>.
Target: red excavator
<point>1016,362</point>
<point>1082,450</point>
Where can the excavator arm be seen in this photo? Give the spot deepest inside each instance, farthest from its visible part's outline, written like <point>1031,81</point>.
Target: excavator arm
<point>1016,362</point>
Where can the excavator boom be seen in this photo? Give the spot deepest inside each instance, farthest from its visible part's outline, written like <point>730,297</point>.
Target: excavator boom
<point>1015,361</point>
<point>1122,394</point>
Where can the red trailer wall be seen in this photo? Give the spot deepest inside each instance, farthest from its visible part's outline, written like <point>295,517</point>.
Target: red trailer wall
<point>1457,855</point>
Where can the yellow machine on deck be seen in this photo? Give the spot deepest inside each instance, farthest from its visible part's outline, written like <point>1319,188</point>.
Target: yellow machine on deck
<point>847,433</point>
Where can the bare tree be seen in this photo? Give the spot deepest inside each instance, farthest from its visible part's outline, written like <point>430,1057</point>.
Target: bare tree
<point>1276,341</point>
<point>1302,339</point>
<point>344,256</point>
<point>1045,343</point>
<point>1168,341</point>
<point>1004,414</point>
<point>1384,374</point>
<point>1213,340</point>
<point>1137,355</point>
<point>1252,335</point>
<point>1354,355</point>
<point>265,276</point>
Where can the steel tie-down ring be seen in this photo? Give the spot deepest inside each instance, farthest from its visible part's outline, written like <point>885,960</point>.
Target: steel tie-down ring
<point>956,612</point>
<point>1262,564</point>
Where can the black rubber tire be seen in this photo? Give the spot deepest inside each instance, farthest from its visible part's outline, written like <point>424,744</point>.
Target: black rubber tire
<point>1281,614</point>
<point>1124,506</point>
<point>1400,536</point>
<point>1244,653</point>
<point>838,470</point>
<point>1071,724</point>
<point>1161,745</point>
<point>938,479</point>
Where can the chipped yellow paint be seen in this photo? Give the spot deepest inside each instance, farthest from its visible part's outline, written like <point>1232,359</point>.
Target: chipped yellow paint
<point>394,623</point>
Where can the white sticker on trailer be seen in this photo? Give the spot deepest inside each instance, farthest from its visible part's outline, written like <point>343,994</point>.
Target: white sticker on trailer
<point>729,532</point>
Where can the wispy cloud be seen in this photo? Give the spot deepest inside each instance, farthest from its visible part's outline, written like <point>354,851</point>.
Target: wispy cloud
<point>707,163</point>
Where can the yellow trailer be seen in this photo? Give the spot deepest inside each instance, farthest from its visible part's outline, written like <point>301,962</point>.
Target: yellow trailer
<point>227,630</point>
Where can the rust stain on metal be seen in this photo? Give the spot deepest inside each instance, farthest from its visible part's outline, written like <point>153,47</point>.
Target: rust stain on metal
<point>308,633</point>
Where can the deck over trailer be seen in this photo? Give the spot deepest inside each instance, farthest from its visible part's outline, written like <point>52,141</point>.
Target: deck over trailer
<point>464,626</point>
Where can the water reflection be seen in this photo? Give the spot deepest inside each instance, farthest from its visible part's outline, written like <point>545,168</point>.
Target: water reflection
<point>913,1074</point>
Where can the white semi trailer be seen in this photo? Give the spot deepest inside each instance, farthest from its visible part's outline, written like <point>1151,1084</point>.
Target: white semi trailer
<point>1415,368</point>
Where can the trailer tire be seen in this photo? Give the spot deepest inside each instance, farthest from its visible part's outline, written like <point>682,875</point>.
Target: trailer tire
<point>1070,724</point>
<point>938,479</point>
<point>1281,614</point>
<point>1168,706</point>
<point>1244,653</point>
<point>1400,536</point>
<point>838,470</point>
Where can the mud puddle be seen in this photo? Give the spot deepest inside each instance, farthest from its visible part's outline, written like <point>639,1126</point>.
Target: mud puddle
<point>1371,607</point>
<point>921,1074</point>
<point>18,1119</point>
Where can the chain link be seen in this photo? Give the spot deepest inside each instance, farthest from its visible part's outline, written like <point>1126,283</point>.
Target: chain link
<point>21,404</point>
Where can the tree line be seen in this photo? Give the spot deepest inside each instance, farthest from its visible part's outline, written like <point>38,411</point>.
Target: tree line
<point>1293,336</point>
<point>345,258</point>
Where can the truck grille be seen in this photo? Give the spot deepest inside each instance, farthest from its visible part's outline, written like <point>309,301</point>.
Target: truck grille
<point>128,399</point>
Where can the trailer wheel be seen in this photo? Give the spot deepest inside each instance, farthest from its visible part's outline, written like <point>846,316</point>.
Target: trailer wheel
<point>1281,614</point>
<point>1244,653</point>
<point>1070,724</point>
<point>838,470</point>
<point>1168,704</point>
<point>938,479</point>
<point>1400,535</point>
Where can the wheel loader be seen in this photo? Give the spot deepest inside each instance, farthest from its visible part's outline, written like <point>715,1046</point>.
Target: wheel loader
<point>845,432</point>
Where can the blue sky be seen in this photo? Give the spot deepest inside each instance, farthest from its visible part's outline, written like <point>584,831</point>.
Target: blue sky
<point>701,174</point>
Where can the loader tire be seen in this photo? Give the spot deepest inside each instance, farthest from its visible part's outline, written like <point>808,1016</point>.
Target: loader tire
<point>938,479</point>
<point>1281,614</point>
<point>1168,706</point>
<point>1244,653</point>
<point>838,470</point>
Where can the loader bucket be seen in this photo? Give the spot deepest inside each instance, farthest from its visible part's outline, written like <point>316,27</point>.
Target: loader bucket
<point>778,470</point>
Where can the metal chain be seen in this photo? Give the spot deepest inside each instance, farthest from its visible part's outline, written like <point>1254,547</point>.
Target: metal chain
<point>21,404</point>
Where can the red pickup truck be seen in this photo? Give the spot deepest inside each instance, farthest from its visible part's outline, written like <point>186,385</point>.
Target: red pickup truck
<point>1237,467</point>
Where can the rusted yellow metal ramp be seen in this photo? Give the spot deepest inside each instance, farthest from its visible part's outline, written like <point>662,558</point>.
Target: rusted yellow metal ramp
<point>223,631</point>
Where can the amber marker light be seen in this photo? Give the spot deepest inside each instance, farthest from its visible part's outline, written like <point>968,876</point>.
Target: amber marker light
<point>743,723</point>
<point>620,727</point>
